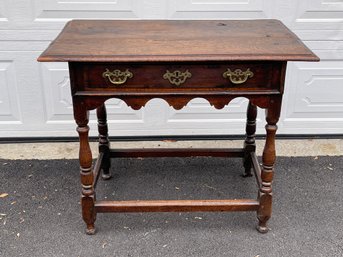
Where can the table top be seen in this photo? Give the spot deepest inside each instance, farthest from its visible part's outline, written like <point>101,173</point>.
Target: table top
<point>176,40</point>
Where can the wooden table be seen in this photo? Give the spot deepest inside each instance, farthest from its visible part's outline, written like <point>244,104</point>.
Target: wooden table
<point>177,61</point>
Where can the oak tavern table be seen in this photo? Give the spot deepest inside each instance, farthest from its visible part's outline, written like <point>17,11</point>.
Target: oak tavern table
<point>177,61</point>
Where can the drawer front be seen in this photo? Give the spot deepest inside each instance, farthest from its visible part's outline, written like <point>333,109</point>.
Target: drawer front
<point>240,76</point>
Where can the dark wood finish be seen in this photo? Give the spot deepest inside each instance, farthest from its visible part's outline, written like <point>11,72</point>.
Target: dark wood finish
<point>97,168</point>
<point>249,143</point>
<point>177,205</point>
<point>171,41</point>
<point>104,143</point>
<point>268,159</point>
<point>176,152</point>
<point>256,168</point>
<point>129,60</point>
<point>87,177</point>
<point>177,100</point>
<point>208,76</point>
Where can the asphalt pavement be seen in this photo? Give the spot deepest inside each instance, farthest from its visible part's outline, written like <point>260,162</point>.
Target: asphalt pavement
<point>40,211</point>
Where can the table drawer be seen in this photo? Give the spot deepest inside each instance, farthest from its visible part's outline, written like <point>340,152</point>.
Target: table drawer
<point>183,76</point>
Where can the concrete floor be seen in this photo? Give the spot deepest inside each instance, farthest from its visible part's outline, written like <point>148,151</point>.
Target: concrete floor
<point>43,151</point>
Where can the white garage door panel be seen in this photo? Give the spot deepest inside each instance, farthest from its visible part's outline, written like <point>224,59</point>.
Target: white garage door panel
<point>320,94</point>
<point>35,97</point>
<point>3,19</point>
<point>218,9</point>
<point>327,50</point>
<point>9,104</point>
<point>201,117</point>
<point>312,10</point>
<point>57,98</point>
<point>316,103</point>
<point>62,10</point>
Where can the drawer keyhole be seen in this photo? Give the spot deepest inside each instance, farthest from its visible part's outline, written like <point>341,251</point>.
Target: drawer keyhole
<point>177,77</point>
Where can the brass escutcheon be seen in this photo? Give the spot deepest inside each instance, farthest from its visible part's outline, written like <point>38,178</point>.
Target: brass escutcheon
<point>117,77</point>
<point>177,77</point>
<point>238,76</point>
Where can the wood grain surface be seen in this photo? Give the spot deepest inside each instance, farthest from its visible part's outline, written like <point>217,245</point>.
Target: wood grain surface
<point>177,40</point>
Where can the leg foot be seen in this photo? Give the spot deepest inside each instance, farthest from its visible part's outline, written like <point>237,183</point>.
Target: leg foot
<point>247,173</point>
<point>263,229</point>
<point>106,163</point>
<point>90,230</point>
<point>106,176</point>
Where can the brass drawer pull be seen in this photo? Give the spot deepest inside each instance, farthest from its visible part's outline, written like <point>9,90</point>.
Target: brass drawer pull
<point>238,76</point>
<point>177,77</point>
<point>117,77</point>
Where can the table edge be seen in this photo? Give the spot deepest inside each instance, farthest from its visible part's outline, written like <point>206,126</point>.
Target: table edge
<point>176,58</point>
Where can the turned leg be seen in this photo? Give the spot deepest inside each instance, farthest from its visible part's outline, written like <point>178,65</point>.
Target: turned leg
<point>268,159</point>
<point>249,143</point>
<point>104,143</point>
<point>86,172</point>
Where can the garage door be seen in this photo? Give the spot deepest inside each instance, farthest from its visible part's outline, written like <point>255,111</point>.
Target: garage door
<point>35,97</point>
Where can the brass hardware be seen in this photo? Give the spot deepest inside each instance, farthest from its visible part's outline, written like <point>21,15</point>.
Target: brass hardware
<point>177,77</point>
<point>117,77</point>
<point>238,76</point>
